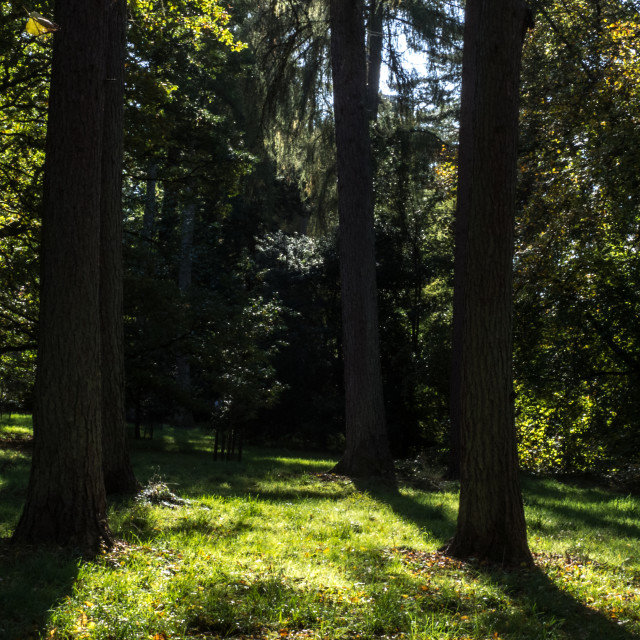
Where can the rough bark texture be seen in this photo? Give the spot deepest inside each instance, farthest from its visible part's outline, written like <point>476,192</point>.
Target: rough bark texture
<point>118,471</point>
<point>367,448</point>
<point>491,521</point>
<point>66,502</point>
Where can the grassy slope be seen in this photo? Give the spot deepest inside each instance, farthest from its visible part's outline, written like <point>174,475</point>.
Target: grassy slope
<point>270,548</point>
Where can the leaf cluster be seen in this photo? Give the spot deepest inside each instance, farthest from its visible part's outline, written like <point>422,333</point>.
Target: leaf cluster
<point>578,230</point>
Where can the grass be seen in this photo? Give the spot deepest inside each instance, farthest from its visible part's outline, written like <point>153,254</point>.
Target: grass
<point>272,547</point>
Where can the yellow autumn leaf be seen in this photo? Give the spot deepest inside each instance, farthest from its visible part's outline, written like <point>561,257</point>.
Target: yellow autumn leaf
<point>38,25</point>
<point>32,27</point>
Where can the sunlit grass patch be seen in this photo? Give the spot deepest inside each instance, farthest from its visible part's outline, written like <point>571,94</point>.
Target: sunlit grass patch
<point>274,547</point>
<point>15,431</point>
<point>16,440</point>
<point>340,565</point>
<point>583,521</point>
<point>17,422</point>
<point>317,559</point>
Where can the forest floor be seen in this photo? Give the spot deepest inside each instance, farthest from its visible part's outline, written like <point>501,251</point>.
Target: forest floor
<point>274,547</point>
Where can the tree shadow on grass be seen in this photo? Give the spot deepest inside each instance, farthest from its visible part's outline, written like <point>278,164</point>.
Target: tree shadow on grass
<point>196,473</point>
<point>539,608</point>
<point>563,504</point>
<point>545,610</point>
<point>438,520</point>
<point>614,527</point>
<point>32,581</point>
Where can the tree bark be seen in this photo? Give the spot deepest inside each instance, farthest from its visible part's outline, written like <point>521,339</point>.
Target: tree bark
<point>118,471</point>
<point>66,502</point>
<point>367,449</point>
<point>374,56</point>
<point>184,415</point>
<point>491,524</point>
<point>150,205</point>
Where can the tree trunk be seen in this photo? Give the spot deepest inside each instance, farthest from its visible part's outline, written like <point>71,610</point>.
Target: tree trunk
<point>374,56</point>
<point>118,471</point>
<point>66,502</point>
<point>184,415</point>
<point>150,206</point>
<point>367,448</point>
<point>491,524</point>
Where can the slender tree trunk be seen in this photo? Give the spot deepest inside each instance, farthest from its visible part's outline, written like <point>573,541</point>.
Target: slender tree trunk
<point>491,524</point>
<point>66,502</point>
<point>367,448</point>
<point>150,205</point>
<point>374,56</point>
<point>185,267</point>
<point>118,471</point>
<point>184,415</point>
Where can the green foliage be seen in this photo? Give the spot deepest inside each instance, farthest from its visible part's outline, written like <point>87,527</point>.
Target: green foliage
<point>24,75</point>
<point>302,272</point>
<point>414,245</point>
<point>185,19</point>
<point>576,279</point>
<point>187,165</point>
<point>242,137</point>
<point>242,376</point>
<point>414,273</point>
<point>556,436</point>
<point>292,89</point>
<point>17,372</point>
<point>164,101</point>
<point>225,331</point>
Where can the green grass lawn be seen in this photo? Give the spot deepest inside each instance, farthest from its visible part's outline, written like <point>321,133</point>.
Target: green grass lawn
<point>272,547</point>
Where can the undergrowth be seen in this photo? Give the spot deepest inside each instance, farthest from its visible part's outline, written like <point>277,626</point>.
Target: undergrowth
<point>274,547</point>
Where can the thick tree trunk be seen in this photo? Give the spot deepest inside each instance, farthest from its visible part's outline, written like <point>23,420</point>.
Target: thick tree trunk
<point>491,522</point>
<point>367,449</point>
<point>118,471</point>
<point>66,502</point>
